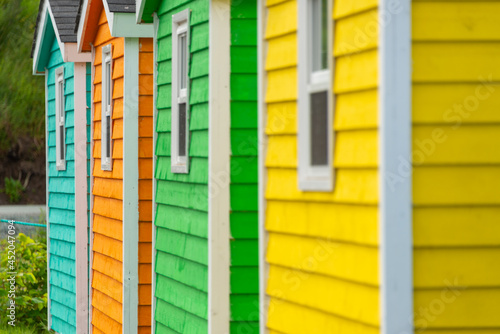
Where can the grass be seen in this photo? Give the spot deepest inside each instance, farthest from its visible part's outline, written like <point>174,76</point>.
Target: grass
<point>5,328</point>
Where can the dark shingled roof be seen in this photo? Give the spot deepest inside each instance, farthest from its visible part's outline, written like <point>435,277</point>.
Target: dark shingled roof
<point>121,6</point>
<point>65,12</point>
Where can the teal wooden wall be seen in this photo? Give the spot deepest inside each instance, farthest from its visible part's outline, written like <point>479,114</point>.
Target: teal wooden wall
<point>182,199</point>
<point>244,161</point>
<point>61,203</point>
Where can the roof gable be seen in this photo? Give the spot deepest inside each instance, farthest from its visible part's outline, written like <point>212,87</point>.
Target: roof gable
<point>65,13</point>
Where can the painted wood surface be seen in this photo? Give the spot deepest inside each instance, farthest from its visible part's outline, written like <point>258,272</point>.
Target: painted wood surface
<point>145,181</point>
<point>182,199</point>
<point>456,129</point>
<point>244,280</point>
<point>107,266</point>
<point>61,201</point>
<point>323,247</point>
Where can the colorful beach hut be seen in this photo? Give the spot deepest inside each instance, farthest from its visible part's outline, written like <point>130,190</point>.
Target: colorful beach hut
<point>379,190</point>
<point>205,276</point>
<point>67,87</point>
<point>122,149</point>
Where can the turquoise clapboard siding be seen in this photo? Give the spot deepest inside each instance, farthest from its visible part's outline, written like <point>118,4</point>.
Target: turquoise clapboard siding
<point>61,203</point>
<point>182,199</point>
<point>244,296</point>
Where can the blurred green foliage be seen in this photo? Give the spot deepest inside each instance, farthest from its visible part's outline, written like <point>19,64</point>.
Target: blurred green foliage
<point>22,104</point>
<point>31,281</point>
<point>13,189</point>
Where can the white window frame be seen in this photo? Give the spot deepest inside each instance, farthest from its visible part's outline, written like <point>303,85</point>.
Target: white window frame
<point>313,178</point>
<point>106,107</point>
<point>180,26</point>
<point>60,119</point>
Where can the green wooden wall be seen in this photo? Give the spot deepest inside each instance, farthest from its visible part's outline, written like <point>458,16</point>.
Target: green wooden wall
<point>244,162</point>
<point>182,199</point>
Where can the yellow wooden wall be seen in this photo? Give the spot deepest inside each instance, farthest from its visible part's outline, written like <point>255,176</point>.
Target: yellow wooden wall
<point>145,181</point>
<point>323,247</point>
<point>107,280</point>
<point>456,181</point>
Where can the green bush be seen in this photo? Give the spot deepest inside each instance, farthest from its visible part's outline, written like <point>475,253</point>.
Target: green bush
<point>31,281</point>
<point>14,189</point>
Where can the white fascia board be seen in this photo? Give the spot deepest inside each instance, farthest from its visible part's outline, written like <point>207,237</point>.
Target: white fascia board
<point>139,5</point>
<point>125,25</point>
<point>395,127</point>
<point>82,25</point>
<point>39,38</point>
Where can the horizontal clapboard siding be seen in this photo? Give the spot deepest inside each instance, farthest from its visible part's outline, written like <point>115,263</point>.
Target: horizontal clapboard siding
<point>456,131</point>
<point>323,247</point>
<point>107,266</point>
<point>182,199</point>
<point>61,202</point>
<point>244,280</point>
<point>145,181</point>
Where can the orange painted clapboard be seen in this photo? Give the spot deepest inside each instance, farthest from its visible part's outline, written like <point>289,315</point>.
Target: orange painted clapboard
<point>107,279</point>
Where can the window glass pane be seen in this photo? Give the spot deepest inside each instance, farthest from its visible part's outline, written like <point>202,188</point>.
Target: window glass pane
<point>108,136</point>
<point>108,83</point>
<point>183,61</point>
<point>319,129</point>
<point>61,101</point>
<point>319,32</point>
<point>61,143</point>
<point>182,129</point>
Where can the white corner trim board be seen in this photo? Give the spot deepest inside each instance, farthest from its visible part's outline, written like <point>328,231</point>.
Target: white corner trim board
<point>218,164</point>
<point>91,206</point>
<point>49,319</point>
<point>81,239</point>
<point>156,23</point>
<point>262,116</point>
<point>130,186</point>
<point>395,212</point>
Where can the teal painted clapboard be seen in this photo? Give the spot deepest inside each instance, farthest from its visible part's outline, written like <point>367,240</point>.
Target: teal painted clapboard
<point>61,203</point>
<point>244,177</point>
<point>182,199</point>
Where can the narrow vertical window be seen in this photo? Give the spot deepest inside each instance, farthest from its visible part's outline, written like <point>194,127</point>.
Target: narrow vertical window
<point>106,107</point>
<point>60,121</point>
<point>315,97</point>
<point>180,92</point>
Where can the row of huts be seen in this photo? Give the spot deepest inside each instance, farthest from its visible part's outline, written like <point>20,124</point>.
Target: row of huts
<point>272,166</point>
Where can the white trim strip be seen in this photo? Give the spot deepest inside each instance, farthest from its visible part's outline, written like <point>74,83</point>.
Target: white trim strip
<point>218,166</point>
<point>81,239</point>
<point>395,212</point>
<point>91,207</point>
<point>49,318</point>
<point>263,235</point>
<point>38,41</point>
<point>155,138</point>
<point>130,186</point>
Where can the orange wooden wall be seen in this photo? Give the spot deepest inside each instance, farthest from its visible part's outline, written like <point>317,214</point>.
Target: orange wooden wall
<point>145,180</point>
<point>107,266</point>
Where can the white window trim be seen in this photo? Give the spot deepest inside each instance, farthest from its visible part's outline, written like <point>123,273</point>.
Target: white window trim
<point>60,119</point>
<point>106,108</point>
<point>180,25</point>
<point>313,178</point>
